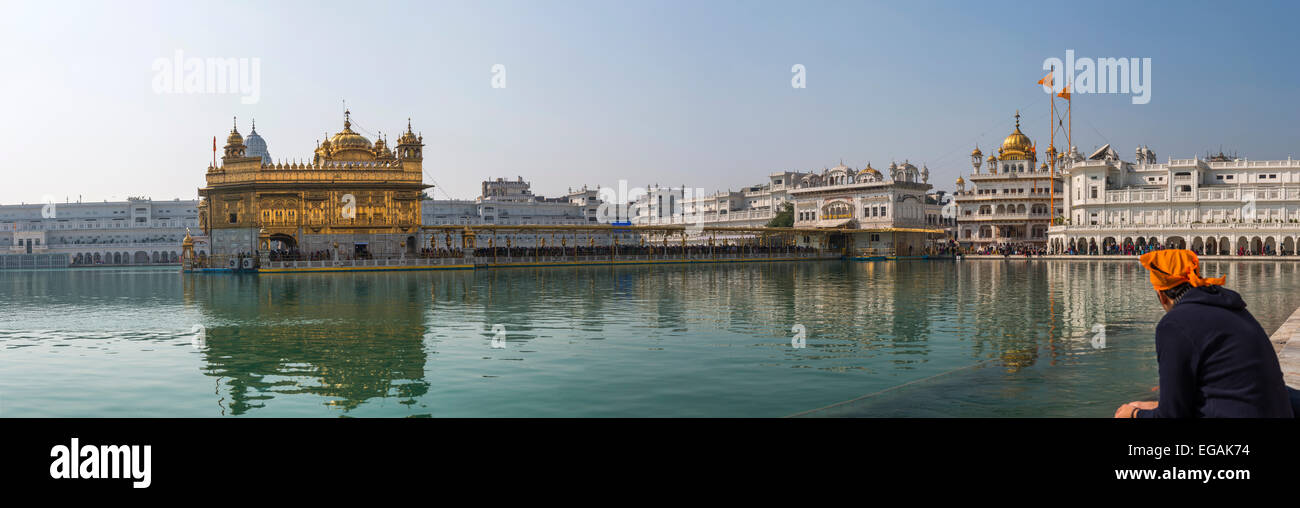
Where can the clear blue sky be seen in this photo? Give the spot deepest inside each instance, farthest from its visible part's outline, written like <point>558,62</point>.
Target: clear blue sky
<point>694,93</point>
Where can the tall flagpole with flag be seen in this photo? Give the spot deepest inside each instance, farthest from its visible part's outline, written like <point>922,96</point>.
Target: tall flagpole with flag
<point>214,152</point>
<point>1050,83</point>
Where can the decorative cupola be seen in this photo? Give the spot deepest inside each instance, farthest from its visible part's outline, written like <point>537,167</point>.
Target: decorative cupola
<point>234,143</point>
<point>381,149</point>
<point>409,146</point>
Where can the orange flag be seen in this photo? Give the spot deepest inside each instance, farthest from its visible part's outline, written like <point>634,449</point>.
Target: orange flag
<point>1047,80</point>
<point>1065,93</point>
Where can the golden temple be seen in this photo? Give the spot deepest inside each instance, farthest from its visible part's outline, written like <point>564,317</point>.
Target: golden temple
<point>361,195</point>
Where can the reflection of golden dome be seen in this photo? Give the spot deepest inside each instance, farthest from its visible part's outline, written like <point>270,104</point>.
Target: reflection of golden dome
<point>1017,146</point>
<point>189,240</point>
<point>348,140</point>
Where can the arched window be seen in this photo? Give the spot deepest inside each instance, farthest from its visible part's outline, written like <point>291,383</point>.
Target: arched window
<point>837,210</point>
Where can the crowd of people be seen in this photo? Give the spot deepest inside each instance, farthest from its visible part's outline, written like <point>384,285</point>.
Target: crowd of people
<point>1009,249</point>
<point>526,252</point>
<point>1129,249</point>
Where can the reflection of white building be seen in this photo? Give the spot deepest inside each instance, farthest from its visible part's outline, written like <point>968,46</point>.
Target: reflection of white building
<point>1217,205</point>
<point>132,232</point>
<point>1010,203</point>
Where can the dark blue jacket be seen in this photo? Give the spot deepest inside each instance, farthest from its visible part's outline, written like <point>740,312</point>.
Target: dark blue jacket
<point>1216,361</point>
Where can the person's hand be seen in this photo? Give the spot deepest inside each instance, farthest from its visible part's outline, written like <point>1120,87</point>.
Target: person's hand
<point>1129,410</point>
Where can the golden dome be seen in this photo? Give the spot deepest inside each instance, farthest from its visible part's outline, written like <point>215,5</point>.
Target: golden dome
<point>234,138</point>
<point>976,152</point>
<point>961,181</point>
<point>188,241</point>
<point>870,169</point>
<point>1017,146</point>
<point>348,140</point>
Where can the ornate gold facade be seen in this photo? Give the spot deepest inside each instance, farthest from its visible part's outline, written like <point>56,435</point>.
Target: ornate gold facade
<point>368,192</point>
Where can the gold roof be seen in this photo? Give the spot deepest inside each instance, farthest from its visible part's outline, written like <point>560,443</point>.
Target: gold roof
<point>1017,146</point>
<point>234,138</point>
<point>348,140</point>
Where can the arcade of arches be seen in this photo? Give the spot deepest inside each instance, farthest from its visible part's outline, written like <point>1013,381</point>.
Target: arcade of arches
<point>1208,245</point>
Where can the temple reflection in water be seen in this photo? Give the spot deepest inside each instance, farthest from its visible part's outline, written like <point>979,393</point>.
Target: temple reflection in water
<point>910,338</point>
<point>342,341</point>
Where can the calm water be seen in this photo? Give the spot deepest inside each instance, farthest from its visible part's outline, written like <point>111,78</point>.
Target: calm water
<point>908,338</point>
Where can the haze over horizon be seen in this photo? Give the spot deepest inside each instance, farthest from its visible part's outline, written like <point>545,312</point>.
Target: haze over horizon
<point>673,93</point>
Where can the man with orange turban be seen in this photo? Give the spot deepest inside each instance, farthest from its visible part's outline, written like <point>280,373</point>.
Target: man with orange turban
<point>1215,359</point>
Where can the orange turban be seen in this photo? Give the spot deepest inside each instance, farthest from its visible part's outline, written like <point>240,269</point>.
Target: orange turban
<point>1172,267</point>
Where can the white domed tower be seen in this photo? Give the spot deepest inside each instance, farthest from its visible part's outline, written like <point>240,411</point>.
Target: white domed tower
<point>256,146</point>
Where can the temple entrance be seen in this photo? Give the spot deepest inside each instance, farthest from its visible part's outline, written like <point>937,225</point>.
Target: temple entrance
<point>283,242</point>
<point>361,250</point>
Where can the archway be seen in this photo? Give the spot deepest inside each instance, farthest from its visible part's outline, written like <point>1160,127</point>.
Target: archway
<point>1288,246</point>
<point>1243,246</point>
<point>141,257</point>
<point>1175,242</point>
<point>281,241</point>
<point>1211,246</point>
<point>1109,246</point>
<point>1197,245</point>
<point>1270,246</point>
<point>1225,246</point>
<point>1256,246</point>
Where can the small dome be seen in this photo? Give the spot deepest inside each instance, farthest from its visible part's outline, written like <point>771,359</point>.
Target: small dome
<point>976,152</point>
<point>961,181</point>
<point>234,138</point>
<point>257,146</point>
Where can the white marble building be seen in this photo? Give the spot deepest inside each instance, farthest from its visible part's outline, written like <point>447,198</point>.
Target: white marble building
<point>133,232</point>
<point>1010,203</point>
<point>1215,205</point>
<point>842,197</point>
<point>750,206</point>
<point>512,202</point>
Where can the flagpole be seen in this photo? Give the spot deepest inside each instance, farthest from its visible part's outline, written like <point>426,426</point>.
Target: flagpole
<point>1051,181</point>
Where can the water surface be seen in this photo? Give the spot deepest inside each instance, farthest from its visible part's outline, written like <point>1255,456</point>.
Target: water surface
<point>904,338</point>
